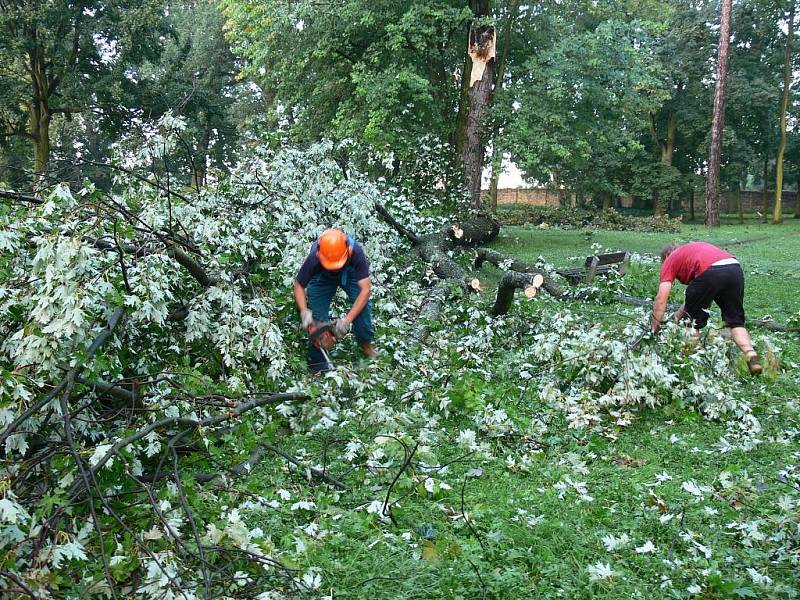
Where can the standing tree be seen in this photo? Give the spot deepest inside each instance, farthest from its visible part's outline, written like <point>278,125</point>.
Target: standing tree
<point>582,102</point>
<point>196,79</point>
<point>64,57</point>
<point>682,46</point>
<point>777,211</point>
<point>482,44</point>
<point>718,122</point>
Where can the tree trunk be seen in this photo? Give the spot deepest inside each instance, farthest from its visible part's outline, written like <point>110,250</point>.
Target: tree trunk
<point>503,262</point>
<point>40,126</point>
<point>512,281</point>
<point>739,202</point>
<point>669,145</point>
<point>777,212</point>
<point>658,208</point>
<point>482,40</point>
<point>718,122</point>
<point>497,163</point>
<point>40,114</point>
<point>764,191</point>
<point>478,229</point>
<point>460,134</point>
<point>691,204</point>
<point>797,197</point>
<point>606,200</point>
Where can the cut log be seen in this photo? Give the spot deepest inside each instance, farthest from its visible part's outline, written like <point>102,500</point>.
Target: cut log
<point>513,280</point>
<point>498,260</point>
<point>480,229</point>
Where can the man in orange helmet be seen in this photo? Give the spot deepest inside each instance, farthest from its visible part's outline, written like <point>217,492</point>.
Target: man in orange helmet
<point>335,260</point>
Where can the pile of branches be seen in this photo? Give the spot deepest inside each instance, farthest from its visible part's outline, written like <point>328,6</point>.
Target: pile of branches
<point>137,326</point>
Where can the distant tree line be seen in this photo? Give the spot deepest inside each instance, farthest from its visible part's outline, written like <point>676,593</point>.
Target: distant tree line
<point>607,99</point>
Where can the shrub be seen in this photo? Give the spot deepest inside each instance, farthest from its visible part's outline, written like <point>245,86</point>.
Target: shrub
<point>578,218</point>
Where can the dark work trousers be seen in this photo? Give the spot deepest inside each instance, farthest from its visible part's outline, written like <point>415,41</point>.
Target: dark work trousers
<point>320,292</point>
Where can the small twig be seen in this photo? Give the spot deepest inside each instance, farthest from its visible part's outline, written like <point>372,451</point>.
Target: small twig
<point>478,573</point>
<point>466,518</point>
<point>87,485</point>
<point>315,472</point>
<point>190,517</point>
<point>386,509</point>
<point>17,580</point>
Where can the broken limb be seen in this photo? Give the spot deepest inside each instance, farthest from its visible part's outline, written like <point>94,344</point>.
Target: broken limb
<point>480,229</point>
<point>429,311</point>
<point>498,260</point>
<point>74,372</point>
<point>512,280</point>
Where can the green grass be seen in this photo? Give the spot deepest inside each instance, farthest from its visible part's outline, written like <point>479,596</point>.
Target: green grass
<point>770,255</point>
<point>427,552</point>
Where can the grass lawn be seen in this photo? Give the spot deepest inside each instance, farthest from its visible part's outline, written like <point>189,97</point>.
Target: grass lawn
<point>660,508</point>
<point>770,254</point>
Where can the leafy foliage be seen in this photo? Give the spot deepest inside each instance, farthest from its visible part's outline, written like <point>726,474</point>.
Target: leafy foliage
<point>576,218</point>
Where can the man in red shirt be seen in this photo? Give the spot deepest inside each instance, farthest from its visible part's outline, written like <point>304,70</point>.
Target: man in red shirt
<point>711,274</point>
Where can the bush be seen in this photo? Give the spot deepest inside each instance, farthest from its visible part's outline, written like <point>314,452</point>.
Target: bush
<point>578,218</point>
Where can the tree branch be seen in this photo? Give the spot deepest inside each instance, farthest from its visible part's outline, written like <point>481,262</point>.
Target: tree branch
<point>10,195</point>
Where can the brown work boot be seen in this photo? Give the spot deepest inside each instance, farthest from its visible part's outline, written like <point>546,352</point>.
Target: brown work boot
<point>753,365</point>
<point>368,350</point>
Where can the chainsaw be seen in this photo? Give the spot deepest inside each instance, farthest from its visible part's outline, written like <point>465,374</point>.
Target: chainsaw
<point>323,337</point>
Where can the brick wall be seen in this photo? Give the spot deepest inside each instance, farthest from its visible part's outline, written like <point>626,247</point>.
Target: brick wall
<point>547,197</point>
<point>750,201</point>
<point>531,196</point>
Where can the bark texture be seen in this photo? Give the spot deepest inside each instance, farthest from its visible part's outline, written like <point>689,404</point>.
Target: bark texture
<point>480,229</point>
<point>498,260</point>
<point>513,280</point>
<point>482,51</point>
<point>777,209</point>
<point>718,121</point>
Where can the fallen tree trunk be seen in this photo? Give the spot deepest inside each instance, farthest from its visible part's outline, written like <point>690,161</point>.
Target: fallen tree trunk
<point>513,280</point>
<point>429,311</point>
<point>434,248</point>
<point>480,229</point>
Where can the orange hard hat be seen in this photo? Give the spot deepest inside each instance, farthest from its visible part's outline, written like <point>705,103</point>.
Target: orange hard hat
<point>333,249</point>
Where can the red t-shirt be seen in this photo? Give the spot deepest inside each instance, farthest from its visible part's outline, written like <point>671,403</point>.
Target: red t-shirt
<point>689,260</point>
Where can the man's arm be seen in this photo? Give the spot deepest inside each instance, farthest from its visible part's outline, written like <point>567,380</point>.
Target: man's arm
<point>365,289</point>
<point>299,295</point>
<point>660,305</point>
<point>299,290</point>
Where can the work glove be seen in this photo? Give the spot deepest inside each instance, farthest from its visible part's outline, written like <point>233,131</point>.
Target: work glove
<point>342,327</point>
<point>306,318</point>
